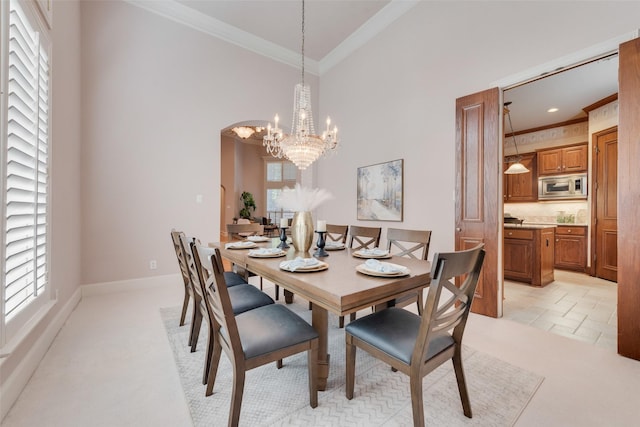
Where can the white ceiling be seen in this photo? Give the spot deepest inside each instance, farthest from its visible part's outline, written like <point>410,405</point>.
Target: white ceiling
<point>332,25</point>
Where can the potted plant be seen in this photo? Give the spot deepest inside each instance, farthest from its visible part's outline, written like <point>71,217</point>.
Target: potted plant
<point>249,205</point>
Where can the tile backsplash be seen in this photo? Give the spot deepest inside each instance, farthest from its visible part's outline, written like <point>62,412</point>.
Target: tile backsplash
<point>572,212</point>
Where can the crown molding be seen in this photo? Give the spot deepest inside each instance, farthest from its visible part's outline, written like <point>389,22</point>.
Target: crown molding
<point>214,27</point>
<point>367,31</point>
<point>184,15</point>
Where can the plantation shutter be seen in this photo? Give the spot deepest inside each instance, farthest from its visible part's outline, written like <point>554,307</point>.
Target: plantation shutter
<point>26,164</point>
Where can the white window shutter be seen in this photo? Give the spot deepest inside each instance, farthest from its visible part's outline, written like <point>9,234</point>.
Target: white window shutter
<point>26,164</point>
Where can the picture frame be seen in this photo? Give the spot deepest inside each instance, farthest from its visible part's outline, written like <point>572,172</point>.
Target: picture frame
<point>381,191</point>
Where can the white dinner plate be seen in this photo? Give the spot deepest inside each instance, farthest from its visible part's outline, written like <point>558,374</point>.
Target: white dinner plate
<point>359,254</point>
<point>258,239</point>
<point>254,254</point>
<point>404,271</point>
<point>334,247</point>
<point>241,245</point>
<point>320,266</point>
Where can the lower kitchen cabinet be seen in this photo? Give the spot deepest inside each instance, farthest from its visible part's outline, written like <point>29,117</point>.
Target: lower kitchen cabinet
<point>571,247</point>
<point>529,254</point>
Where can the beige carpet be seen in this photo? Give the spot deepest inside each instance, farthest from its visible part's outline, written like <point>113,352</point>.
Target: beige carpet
<point>498,391</point>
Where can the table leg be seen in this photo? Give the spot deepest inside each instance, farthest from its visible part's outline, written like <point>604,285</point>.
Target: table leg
<point>288,296</point>
<point>320,321</point>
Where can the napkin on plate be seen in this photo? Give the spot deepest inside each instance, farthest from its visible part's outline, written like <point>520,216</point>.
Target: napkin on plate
<point>338,245</point>
<point>265,251</point>
<point>257,238</point>
<point>373,252</point>
<point>239,245</point>
<point>299,262</point>
<point>383,267</point>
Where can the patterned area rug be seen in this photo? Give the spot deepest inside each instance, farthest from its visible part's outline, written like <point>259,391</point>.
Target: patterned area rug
<point>499,392</point>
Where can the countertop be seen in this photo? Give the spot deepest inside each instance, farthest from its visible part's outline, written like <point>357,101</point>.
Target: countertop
<point>531,226</point>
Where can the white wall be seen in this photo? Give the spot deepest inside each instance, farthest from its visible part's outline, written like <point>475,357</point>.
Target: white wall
<point>155,96</point>
<point>402,88</point>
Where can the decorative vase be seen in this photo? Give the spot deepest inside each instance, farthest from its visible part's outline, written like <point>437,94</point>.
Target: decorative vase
<point>302,231</point>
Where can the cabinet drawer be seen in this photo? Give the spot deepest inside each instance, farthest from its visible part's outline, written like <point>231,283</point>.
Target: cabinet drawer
<point>512,233</point>
<point>571,231</point>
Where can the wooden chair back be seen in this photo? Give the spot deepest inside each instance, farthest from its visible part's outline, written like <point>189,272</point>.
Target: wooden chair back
<point>364,237</point>
<point>337,233</point>
<point>441,317</point>
<point>241,231</point>
<point>184,273</point>
<point>211,272</point>
<point>397,240</point>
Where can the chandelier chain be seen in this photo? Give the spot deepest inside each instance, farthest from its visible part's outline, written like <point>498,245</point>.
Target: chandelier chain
<point>302,42</point>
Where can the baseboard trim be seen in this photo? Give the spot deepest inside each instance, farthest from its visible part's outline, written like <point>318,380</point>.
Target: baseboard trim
<point>18,379</point>
<point>128,285</point>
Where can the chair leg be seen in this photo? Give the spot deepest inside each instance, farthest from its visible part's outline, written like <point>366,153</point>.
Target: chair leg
<point>260,282</point>
<point>236,396</point>
<point>185,305</point>
<point>196,330</point>
<point>350,366</point>
<point>207,360</point>
<point>352,317</point>
<point>279,364</point>
<point>341,322</point>
<point>194,316</point>
<point>419,302</point>
<point>277,292</point>
<point>213,367</point>
<point>312,361</point>
<point>462,384</point>
<point>417,405</point>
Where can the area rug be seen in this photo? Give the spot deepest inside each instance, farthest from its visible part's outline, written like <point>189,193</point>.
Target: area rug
<point>499,392</point>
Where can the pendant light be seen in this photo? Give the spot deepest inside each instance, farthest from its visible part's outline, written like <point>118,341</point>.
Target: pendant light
<point>517,167</point>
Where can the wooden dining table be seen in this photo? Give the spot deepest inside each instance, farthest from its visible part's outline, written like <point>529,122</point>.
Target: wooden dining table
<point>339,289</point>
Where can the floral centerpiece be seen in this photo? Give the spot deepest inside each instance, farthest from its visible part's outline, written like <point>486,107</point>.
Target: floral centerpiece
<point>302,200</point>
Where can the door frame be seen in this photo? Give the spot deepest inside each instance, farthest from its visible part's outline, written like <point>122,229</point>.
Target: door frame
<point>575,59</point>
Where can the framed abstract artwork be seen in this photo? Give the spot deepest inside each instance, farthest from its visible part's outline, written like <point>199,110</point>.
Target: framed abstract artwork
<point>380,191</point>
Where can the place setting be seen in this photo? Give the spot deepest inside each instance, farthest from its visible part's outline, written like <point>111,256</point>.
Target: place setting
<point>375,253</point>
<point>373,267</point>
<point>257,239</point>
<point>303,265</point>
<point>266,253</point>
<point>245,244</point>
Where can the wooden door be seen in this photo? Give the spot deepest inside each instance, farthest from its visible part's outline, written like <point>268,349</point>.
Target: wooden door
<point>605,199</point>
<point>628,218</point>
<point>478,171</point>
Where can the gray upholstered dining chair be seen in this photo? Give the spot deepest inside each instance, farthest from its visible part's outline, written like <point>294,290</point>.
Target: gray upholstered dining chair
<point>416,345</point>
<point>244,296</point>
<point>364,237</point>
<point>254,338</point>
<point>413,244</point>
<point>337,233</point>
<point>361,238</point>
<point>184,272</point>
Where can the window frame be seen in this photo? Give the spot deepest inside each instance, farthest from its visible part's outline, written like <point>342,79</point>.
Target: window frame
<point>13,329</point>
<point>275,185</point>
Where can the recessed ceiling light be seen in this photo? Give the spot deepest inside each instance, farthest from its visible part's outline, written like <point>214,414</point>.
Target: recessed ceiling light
<point>552,110</point>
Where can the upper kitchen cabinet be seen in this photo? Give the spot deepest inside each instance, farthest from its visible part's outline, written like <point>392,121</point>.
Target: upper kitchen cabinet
<point>563,160</point>
<point>522,187</point>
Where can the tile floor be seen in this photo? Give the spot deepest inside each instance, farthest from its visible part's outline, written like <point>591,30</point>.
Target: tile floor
<point>575,305</point>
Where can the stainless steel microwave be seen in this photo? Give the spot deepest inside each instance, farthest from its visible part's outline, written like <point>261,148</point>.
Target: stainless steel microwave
<point>562,187</point>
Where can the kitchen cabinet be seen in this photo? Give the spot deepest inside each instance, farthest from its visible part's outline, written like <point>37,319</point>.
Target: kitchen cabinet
<point>522,187</point>
<point>528,254</point>
<point>563,160</point>
<point>571,247</point>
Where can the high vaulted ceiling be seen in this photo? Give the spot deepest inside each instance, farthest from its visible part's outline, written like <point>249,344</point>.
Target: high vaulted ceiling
<point>335,28</point>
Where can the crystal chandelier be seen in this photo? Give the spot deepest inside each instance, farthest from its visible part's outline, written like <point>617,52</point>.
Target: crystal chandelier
<point>302,146</point>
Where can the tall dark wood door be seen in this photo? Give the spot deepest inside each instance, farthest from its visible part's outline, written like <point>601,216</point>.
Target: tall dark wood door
<point>478,169</point>
<point>605,198</point>
<point>629,200</point>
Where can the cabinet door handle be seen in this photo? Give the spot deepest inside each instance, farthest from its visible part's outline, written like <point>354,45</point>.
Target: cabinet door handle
<point>568,231</point>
